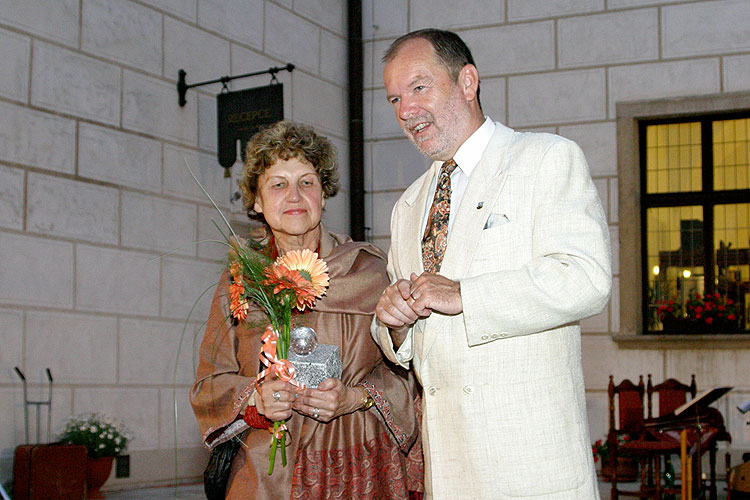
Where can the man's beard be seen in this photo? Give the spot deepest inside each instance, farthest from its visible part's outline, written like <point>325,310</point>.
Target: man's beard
<point>437,137</point>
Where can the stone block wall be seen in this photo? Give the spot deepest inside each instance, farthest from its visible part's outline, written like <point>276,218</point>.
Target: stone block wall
<point>94,191</point>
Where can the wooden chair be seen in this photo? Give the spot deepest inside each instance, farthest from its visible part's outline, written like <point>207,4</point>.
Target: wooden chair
<point>626,399</point>
<point>672,394</point>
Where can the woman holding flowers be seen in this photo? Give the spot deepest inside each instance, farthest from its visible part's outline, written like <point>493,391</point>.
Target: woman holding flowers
<point>348,438</point>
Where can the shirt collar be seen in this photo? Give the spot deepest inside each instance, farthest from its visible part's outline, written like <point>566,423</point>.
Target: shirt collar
<point>468,155</point>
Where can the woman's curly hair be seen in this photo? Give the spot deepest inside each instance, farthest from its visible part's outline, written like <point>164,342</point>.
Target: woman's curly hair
<point>282,141</point>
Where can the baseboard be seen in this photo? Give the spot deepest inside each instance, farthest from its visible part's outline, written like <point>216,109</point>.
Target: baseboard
<point>158,468</point>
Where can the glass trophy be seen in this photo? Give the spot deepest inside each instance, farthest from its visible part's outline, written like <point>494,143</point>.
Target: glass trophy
<point>314,362</point>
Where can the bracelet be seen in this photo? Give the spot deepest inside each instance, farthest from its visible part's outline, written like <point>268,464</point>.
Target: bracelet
<point>367,400</point>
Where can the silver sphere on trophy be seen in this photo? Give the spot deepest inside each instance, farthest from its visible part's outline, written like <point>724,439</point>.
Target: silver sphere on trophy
<point>303,340</point>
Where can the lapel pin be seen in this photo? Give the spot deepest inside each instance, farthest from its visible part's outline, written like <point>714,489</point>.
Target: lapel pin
<point>480,205</point>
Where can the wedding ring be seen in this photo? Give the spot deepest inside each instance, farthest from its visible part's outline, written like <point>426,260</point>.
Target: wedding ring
<point>316,412</point>
<point>276,396</point>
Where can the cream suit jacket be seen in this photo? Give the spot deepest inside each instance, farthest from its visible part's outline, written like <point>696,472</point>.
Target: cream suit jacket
<point>504,404</point>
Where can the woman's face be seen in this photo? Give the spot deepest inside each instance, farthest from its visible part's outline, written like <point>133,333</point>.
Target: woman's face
<point>290,197</point>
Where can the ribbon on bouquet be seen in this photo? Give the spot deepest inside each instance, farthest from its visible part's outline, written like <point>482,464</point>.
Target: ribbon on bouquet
<point>282,368</point>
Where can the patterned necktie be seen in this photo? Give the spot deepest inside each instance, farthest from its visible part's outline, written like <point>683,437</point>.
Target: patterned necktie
<point>435,237</point>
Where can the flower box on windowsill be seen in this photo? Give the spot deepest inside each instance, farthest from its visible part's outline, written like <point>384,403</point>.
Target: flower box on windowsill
<point>684,326</point>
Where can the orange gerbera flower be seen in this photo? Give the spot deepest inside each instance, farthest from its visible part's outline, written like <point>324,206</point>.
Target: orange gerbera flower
<point>302,273</point>
<point>312,269</point>
<point>282,278</point>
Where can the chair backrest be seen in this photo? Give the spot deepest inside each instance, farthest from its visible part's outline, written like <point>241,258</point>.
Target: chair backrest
<point>672,394</point>
<point>629,405</point>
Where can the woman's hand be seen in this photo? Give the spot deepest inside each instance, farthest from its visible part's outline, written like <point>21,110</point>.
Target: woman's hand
<point>274,399</point>
<point>330,400</point>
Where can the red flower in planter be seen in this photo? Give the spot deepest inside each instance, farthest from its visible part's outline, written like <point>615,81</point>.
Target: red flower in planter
<point>709,309</point>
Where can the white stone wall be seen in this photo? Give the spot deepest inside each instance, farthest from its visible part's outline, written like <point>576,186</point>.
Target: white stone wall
<point>560,66</point>
<point>93,191</point>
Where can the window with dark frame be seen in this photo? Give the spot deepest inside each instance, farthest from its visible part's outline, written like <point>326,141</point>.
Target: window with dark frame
<point>695,216</point>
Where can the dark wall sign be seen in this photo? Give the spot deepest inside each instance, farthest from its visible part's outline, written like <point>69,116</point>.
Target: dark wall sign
<point>242,113</point>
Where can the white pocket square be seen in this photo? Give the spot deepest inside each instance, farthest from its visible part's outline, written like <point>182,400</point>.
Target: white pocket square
<point>495,220</point>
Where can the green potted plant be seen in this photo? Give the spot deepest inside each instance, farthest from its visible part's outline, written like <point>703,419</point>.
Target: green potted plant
<point>104,439</point>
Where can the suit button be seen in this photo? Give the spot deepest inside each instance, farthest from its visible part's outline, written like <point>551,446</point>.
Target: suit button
<point>504,334</point>
<point>494,335</point>
<point>468,389</point>
<point>484,337</point>
<point>432,390</point>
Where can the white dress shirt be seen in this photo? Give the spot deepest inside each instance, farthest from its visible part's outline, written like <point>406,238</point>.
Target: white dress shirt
<point>467,157</point>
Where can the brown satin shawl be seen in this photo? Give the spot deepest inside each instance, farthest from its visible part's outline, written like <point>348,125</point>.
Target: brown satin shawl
<point>229,363</point>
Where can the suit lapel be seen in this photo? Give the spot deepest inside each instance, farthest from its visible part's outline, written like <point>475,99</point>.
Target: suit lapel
<point>483,190</point>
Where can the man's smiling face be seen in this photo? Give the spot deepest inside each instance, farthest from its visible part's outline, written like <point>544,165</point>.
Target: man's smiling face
<point>430,105</point>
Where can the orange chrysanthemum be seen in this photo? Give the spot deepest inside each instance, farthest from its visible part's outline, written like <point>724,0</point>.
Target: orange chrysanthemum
<point>307,263</point>
<point>238,304</point>
<point>236,289</point>
<point>239,309</point>
<point>235,268</point>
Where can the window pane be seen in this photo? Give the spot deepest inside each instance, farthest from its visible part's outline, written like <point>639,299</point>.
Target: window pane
<point>731,165</point>
<point>732,239</point>
<point>674,250</point>
<point>673,158</point>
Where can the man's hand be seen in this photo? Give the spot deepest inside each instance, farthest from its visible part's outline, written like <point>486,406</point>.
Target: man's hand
<point>433,292</point>
<point>394,312</point>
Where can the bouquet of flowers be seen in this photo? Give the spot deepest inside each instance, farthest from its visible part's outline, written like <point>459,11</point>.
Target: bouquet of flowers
<point>295,280</point>
<point>101,435</point>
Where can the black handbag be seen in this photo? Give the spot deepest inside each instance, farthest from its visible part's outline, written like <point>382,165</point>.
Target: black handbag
<point>216,475</point>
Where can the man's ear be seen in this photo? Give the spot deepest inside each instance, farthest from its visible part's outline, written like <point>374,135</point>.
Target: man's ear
<point>257,206</point>
<point>468,79</point>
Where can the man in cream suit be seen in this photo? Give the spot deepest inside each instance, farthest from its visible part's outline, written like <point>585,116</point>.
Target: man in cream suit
<point>492,335</point>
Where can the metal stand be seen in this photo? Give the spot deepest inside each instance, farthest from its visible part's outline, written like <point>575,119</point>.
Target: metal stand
<point>3,494</point>
<point>37,404</point>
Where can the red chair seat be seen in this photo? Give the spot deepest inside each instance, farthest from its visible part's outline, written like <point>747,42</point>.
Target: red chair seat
<point>642,447</point>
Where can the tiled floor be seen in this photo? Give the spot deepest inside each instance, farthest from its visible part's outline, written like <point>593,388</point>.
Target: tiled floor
<point>195,492</point>
<point>184,492</point>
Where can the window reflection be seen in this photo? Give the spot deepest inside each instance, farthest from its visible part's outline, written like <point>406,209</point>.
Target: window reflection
<point>691,207</point>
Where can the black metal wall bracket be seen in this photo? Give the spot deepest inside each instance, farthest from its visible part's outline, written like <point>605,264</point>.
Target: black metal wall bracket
<point>182,86</point>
